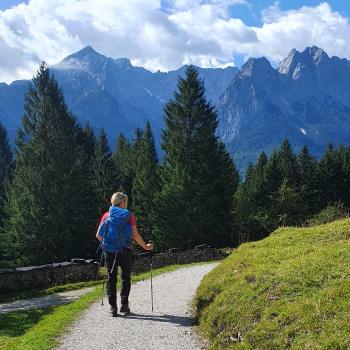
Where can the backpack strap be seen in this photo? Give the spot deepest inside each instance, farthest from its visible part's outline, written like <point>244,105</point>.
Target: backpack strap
<point>105,229</point>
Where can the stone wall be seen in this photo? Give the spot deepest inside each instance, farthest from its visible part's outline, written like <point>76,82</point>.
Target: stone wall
<point>200,253</point>
<point>24,278</point>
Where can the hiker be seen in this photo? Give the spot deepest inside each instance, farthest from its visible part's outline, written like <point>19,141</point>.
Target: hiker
<point>116,230</point>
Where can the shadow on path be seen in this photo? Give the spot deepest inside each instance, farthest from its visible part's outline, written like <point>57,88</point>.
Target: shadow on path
<point>179,320</point>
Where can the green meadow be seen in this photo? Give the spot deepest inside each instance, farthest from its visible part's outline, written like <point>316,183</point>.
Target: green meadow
<point>288,291</point>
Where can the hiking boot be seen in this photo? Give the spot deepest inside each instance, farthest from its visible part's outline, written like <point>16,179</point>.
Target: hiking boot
<point>114,311</point>
<point>125,309</point>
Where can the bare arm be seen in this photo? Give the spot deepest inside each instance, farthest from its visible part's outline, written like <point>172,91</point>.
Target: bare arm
<point>139,240</point>
<point>98,236</point>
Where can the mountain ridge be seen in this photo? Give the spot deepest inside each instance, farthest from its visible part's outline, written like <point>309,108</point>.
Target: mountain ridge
<point>111,93</point>
<point>306,99</point>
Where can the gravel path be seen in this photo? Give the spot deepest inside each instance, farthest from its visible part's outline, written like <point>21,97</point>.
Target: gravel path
<point>41,302</point>
<point>168,327</point>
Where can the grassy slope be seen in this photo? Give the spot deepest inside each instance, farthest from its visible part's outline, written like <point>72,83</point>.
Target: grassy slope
<point>39,329</point>
<point>289,291</point>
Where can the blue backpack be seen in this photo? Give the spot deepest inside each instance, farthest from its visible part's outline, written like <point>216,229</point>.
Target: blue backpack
<point>116,230</point>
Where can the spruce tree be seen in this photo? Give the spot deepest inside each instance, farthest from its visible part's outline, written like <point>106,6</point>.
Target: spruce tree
<point>227,181</point>
<point>329,174</point>
<point>259,186</point>
<point>252,202</point>
<point>287,205</point>
<point>124,167</point>
<point>309,192</point>
<point>187,208</point>
<point>87,140</point>
<point>103,173</point>
<point>137,147</point>
<point>146,183</point>
<point>272,173</point>
<point>289,213</point>
<point>47,214</point>
<point>5,168</point>
<point>288,164</point>
<point>346,176</point>
<point>6,159</point>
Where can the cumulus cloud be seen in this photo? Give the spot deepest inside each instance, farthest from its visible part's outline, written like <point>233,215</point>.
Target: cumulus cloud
<point>160,34</point>
<point>307,26</point>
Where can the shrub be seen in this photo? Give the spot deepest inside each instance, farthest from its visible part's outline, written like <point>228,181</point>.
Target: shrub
<point>333,212</point>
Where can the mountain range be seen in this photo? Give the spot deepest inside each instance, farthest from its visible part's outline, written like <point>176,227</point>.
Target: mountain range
<point>306,99</point>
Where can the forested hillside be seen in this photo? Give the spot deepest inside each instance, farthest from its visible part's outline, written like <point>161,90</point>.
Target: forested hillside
<point>60,180</point>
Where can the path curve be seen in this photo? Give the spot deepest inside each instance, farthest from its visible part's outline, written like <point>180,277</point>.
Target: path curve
<point>169,327</point>
<point>46,301</point>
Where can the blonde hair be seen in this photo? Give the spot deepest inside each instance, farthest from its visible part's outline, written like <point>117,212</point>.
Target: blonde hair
<point>119,197</point>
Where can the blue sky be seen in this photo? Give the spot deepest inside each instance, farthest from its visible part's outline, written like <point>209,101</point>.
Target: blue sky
<point>165,34</point>
<point>5,4</point>
<point>249,14</point>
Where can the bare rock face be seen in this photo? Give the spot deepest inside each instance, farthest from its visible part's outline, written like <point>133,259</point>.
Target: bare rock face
<point>305,99</point>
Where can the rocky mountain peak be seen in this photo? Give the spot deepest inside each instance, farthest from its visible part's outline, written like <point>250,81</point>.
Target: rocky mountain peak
<point>255,67</point>
<point>310,57</point>
<point>87,53</point>
<point>87,59</point>
<point>123,62</point>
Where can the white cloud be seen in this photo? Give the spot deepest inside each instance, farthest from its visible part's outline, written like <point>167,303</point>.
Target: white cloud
<point>307,26</point>
<point>189,31</point>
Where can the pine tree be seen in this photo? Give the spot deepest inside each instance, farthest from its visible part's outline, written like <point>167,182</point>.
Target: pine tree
<point>227,181</point>
<point>6,160</point>
<point>259,186</point>
<point>146,183</point>
<point>329,174</point>
<point>103,173</point>
<point>288,213</point>
<point>47,214</point>
<point>287,204</point>
<point>272,173</point>
<point>253,201</point>
<point>137,147</point>
<point>346,176</point>
<point>87,139</point>
<point>288,164</point>
<point>123,160</point>
<point>5,168</point>
<point>309,193</point>
<point>187,207</point>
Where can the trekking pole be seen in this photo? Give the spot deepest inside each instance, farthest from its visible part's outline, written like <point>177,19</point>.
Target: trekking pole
<point>104,278</point>
<point>151,263</point>
<point>144,255</point>
<point>104,255</point>
<point>100,247</point>
<point>151,266</point>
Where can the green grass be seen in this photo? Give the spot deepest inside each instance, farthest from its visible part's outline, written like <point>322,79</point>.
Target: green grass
<point>289,291</point>
<point>39,329</point>
<point>12,296</point>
